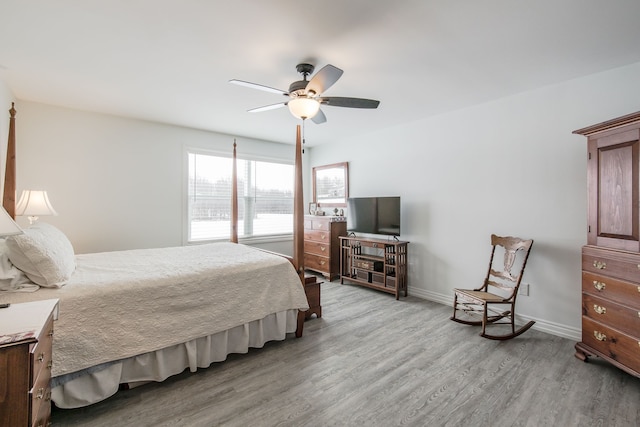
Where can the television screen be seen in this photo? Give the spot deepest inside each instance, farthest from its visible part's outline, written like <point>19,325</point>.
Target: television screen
<point>374,215</point>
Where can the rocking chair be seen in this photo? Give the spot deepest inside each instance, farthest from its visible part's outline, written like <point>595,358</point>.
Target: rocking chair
<point>468,303</point>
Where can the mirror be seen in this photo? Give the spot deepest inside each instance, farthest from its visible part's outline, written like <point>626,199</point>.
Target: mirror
<point>331,184</point>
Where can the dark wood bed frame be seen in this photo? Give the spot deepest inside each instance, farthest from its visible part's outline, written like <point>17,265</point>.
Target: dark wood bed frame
<point>9,194</point>
<point>9,202</point>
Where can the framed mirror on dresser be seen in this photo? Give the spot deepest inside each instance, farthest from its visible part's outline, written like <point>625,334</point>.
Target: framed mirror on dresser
<point>321,227</point>
<point>331,185</point>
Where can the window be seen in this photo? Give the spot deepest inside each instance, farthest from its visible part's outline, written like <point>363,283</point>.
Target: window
<point>265,198</point>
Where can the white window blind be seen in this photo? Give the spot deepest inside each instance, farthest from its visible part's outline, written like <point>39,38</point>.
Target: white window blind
<point>265,198</point>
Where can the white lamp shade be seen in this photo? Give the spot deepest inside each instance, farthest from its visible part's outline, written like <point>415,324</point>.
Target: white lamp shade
<point>304,108</point>
<point>8,226</point>
<point>34,203</point>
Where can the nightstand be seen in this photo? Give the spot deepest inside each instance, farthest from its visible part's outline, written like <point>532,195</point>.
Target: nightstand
<point>26,339</point>
<point>312,289</point>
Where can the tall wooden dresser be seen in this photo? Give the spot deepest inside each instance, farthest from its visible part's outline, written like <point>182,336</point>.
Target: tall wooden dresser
<point>611,258</point>
<point>321,245</point>
<point>26,340</point>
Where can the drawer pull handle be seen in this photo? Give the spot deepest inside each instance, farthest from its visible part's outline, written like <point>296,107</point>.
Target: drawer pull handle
<point>40,394</point>
<point>322,236</point>
<point>50,333</point>
<point>41,357</point>
<point>599,309</point>
<point>601,285</point>
<point>50,364</point>
<point>600,265</point>
<point>599,336</point>
<point>322,248</point>
<point>322,262</point>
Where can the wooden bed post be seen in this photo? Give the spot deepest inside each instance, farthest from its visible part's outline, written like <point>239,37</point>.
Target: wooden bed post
<point>298,211</point>
<point>9,194</point>
<point>298,225</point>
<point>234,197</point>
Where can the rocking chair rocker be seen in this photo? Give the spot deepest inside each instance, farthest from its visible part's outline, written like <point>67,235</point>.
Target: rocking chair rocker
<point>479,302</point>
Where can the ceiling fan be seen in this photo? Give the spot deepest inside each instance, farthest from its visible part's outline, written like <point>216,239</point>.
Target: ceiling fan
<point>305,96</point>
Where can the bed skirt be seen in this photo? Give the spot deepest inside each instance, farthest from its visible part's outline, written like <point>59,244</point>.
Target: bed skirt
<point>94,385</point>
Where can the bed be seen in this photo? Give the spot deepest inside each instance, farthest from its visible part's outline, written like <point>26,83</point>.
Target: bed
<point>143,315</point>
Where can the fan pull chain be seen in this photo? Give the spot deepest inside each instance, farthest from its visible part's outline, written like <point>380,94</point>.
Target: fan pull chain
<point>303,140</point>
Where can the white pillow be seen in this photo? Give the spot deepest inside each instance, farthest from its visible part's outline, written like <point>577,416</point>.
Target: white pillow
<point>44,254</point>
<point>12,279</point>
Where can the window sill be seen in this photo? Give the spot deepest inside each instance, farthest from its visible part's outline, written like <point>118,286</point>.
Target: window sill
<point>248,240</point>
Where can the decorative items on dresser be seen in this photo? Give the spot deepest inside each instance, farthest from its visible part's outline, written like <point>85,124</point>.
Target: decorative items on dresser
<point>611,258</point>
<point>321,245</point>
<point>26,338</point>
<point>374,263</point>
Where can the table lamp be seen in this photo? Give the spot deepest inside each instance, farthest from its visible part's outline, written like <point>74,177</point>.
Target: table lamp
<point>34,203</point>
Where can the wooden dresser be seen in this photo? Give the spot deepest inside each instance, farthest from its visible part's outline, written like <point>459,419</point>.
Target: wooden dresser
<point>321,245</point>
<point>611,258</point>
<point>26,338</point>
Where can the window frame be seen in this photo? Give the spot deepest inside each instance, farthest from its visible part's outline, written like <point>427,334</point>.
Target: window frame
<point>185,203</point>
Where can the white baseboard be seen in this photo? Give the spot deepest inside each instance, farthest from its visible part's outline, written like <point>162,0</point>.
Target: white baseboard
<point>557,329</point>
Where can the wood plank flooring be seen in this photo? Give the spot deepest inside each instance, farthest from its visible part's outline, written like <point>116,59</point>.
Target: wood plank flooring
<point>374,361</point>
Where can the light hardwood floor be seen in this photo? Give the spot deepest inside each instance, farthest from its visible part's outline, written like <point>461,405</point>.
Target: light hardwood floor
<point>374,361</point>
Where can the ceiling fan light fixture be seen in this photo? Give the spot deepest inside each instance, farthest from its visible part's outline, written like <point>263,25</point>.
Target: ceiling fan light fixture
<point>304,108</point>
<point>305,96</point>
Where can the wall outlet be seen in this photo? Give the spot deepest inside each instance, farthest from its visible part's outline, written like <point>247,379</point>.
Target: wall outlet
<point>524,289</point>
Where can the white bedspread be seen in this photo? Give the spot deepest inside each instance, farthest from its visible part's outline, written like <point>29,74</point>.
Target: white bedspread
<point>125,303</point>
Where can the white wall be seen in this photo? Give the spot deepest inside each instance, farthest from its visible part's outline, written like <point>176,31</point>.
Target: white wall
<point>509,167</point>
<point>116,183</point>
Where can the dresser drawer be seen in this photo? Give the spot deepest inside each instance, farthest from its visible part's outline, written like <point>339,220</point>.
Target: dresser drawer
<point>317,263</point>
<point>371,244</point>
<point>317,248</point>
<point>622,318</point>
<point>612,289</point>
<point>317,224</point>
<point>317,236</point>
<point>41,352</point>
<point>40,396</point>
<point>611,343</point>
<point>618,264</point>
<point>42,419</point>
<point>41,362</point>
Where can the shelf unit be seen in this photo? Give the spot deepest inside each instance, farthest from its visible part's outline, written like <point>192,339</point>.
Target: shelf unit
<point>374,263</point>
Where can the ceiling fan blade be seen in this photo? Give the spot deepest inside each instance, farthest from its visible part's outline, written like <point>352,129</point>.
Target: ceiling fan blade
<point>339,101</point>
<point>319,118</point>
<point>324,79</point>
<point>267,107</point>
<point>257,86</point>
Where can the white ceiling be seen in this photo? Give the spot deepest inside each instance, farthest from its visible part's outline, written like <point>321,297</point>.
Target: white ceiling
<point>170,61</point>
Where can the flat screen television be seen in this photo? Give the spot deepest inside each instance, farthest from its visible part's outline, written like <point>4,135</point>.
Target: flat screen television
<point>374,215</point>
